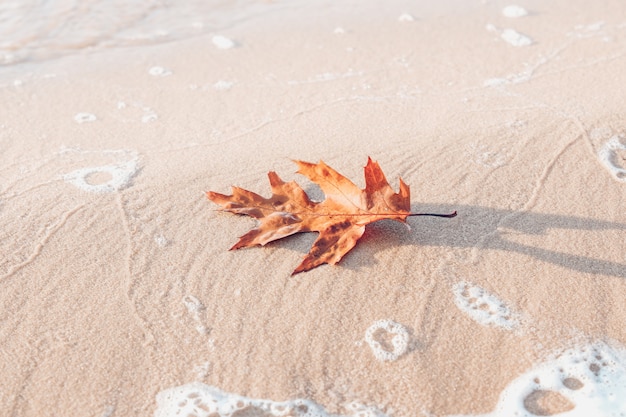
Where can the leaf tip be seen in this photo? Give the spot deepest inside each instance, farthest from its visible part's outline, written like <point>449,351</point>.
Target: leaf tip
<point>217,198</point>
<point>275,180</point>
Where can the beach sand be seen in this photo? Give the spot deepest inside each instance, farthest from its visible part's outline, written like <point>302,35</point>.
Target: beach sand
<point>116,281</point>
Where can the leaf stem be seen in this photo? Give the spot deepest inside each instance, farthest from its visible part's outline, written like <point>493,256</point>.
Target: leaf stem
<point>434,214</point>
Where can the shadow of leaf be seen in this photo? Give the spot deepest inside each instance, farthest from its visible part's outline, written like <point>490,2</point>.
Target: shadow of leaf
<point>467,230</point>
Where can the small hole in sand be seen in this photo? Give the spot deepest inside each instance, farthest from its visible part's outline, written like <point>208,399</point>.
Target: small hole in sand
<point>573,383</point>
<point>98,178</point>
<point>595,368</point>
<point>547,403</point>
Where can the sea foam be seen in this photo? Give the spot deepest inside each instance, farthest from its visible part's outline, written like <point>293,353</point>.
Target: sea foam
<point>222,42</point>
<point>84,117</point>
<point>511,36</point>
<point>484,308</point>
<point>608,155</point>
<point>398,344</point>
<point>514,11</point>
<point>582,381</point>
<point>118,175</point>
<point>159,71</point>
<point>201,400</point>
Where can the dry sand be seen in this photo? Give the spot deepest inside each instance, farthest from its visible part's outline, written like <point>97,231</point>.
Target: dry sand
<point>115,275</point>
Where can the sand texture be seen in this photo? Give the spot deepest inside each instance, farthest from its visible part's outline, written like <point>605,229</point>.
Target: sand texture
<point>116,283</point>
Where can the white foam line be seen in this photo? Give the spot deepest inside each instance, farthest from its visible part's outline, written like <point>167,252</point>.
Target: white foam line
<point>201,400</point>
<point>327,76</point>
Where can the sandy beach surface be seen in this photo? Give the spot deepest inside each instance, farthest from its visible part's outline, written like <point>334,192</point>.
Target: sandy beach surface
<point>119,296</point>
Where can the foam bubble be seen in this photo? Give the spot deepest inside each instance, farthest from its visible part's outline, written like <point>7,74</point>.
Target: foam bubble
<point>514,11</point>
<point>610,158</point>
<point>201,400</point>
<point>484,308</point>
<point>108,178</point>
<point>513,37</point>
<point>195,309</point>
<point>595,26</point>
<point>149,117</point>
<point>159,72</point>
<point>399,341</point>
<point>223,85</point>
<point>84,117</point>
<point>581,382</point>
<point>223,42</point>
<point>161,240</point>
<point>405,17</point>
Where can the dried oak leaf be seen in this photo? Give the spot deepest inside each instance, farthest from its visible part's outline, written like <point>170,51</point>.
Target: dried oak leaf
<point>340,219</point>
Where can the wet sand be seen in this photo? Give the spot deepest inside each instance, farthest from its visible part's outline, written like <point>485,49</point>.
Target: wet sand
<point>116,279</point>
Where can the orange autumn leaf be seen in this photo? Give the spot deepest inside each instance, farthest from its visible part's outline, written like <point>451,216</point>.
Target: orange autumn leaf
<point>340,219</point>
